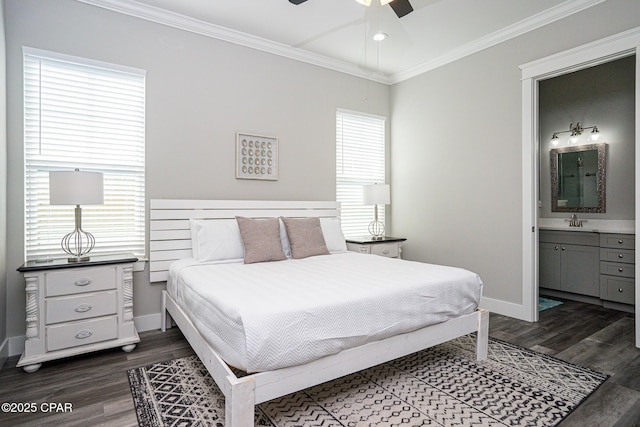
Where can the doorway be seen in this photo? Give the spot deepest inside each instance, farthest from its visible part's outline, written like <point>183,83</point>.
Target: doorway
<point>599,52</point>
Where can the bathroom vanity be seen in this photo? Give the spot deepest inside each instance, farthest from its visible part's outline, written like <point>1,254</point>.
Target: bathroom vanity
<point>589,266</point>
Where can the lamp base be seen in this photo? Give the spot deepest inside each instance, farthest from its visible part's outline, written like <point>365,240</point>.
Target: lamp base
<point>78,243</point>
<point>376,229</point>
<point>78,259</point>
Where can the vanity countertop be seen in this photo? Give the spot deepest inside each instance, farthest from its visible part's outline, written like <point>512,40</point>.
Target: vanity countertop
<point>592,225</point>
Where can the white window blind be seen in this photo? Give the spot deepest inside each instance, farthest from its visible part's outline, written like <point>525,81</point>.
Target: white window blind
<point>91,116</point>
<point>360,160</point>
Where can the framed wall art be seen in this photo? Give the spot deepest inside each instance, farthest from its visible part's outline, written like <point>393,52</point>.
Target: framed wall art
<point>256,157</point>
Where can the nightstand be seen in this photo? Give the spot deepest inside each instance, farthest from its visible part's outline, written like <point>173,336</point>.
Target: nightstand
<point>390,247</point>
<point>77,307</point>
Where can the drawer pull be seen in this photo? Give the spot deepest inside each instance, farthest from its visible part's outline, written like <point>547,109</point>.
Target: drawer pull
<point>386,251</point>
<point>82,282</point>
<point>620,256</point>
<point>621,269</point>
<point>620,241</point>
<point>85,333</point>
<point>620,290</point>
<point>83,308</point>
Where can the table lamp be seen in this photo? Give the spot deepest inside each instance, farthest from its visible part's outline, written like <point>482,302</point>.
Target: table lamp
<point>76,188</point>
<point>376,194</point>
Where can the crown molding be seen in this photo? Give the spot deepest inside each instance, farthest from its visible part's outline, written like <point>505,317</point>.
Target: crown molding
<point>534,22</point>
<point>175,20</point>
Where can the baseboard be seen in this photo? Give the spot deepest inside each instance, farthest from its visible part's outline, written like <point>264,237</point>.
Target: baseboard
<point>505,308</point>
<point>4,352</point>
<point>14,346</point>
<point>148,322</point>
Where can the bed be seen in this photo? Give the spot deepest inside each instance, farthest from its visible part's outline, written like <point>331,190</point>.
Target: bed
<point>289,337</point>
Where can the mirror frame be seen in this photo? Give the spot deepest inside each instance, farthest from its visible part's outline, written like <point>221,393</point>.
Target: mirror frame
<point>600,178</point>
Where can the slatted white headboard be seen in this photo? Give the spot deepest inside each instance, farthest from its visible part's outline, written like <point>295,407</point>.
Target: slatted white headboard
<point>170,233</point>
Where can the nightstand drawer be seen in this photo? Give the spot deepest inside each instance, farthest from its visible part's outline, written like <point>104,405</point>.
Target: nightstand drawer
<point>65,282</point>
<point>617,289</point>
<point>81,333</point>
<point>355,247</point>
<point>617,255</point>
<point>618,269</point>
<point>385,249</point>
<point>65,309</point>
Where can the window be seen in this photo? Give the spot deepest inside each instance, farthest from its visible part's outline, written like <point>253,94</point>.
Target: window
<point>87,115</point>
<point>360,160</point>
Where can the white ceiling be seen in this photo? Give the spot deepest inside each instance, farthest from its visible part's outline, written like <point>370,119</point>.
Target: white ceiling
<point>338,34</point>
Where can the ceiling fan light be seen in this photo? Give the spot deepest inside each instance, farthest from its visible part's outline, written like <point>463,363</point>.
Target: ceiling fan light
<point>383,2</point>
<point>379,36</point>
<point>364,2</point>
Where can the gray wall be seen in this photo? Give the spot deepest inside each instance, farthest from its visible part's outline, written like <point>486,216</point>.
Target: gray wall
<point>456,156</point>
<point>200,92</point>
<point>3,191</point>
<point>604,96</point>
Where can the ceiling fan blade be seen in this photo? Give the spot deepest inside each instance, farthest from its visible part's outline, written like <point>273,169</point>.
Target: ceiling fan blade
<point>297,1</point>
<point>400,7</point>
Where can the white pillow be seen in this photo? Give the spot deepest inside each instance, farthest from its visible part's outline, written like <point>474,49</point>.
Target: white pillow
<point>284,239</point>
<point>216,239</point>
<point>333,236</point>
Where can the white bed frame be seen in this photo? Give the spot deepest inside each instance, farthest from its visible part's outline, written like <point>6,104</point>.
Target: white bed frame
<point>170,239</point>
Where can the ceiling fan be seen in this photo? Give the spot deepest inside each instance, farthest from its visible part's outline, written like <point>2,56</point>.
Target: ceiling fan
<point>400,7</point>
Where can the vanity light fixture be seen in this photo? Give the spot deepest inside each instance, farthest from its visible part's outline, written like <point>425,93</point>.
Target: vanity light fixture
<point>576,130</point>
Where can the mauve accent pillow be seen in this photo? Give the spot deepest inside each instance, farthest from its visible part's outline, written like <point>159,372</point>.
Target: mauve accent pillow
<point>305,237</point>
<point>261,239</point>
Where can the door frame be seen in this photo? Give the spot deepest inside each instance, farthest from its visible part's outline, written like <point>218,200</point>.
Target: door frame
<point>605,50</point>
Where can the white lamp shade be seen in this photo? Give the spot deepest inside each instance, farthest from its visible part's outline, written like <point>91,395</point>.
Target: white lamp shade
<point>76,188</point>
<point>376,194</point>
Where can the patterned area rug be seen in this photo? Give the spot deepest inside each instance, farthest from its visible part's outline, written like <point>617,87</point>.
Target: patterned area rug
<point>443,385</point>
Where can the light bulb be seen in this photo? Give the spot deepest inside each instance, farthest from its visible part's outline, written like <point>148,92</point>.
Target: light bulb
<point>555,140</point>
<point>595,134</point>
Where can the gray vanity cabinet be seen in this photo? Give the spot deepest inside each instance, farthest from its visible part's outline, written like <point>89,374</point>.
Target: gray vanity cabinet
<point>570,262</point>
<point>617,268</point>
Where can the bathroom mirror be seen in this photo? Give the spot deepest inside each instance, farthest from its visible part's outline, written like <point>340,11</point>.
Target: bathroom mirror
<point>578,178</point>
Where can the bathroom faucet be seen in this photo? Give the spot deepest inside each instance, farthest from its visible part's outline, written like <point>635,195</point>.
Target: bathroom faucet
<point>574,222</point>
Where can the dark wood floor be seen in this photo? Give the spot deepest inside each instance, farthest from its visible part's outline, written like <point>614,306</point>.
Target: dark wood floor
<point>96,385</point>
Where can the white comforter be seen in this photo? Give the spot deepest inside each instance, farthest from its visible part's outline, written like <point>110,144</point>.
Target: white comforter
<point>272,315</point>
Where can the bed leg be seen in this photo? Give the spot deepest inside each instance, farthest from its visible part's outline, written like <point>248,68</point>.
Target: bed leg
<point>482,344</point>
<point>240,403</point>
<point>165,320</point>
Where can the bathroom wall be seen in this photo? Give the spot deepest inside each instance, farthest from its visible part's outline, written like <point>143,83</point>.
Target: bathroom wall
<point>603,96</point>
